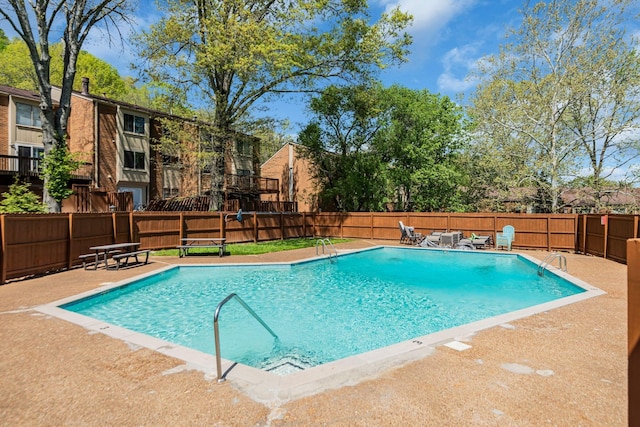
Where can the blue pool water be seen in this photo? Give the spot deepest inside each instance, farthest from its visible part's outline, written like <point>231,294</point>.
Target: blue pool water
<point>324,311</point>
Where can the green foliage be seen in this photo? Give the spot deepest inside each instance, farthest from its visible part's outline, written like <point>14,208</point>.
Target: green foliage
<point>561,95</point>
<point>4,40</point>
<point>20,199</point>
<point>57,168</point>
<point>233,53</point>
<point>423,140</point>
<point>338,143</point>
<point>18,71</point>
<point>373,146</point>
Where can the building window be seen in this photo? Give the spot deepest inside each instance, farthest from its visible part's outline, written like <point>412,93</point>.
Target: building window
<point>134,160</point>
<point>134,124</point>
<point>29,158</point>
<point>243,147</point>
<point>28,115</point>
<point>170,160</point>
<point>169,192</point>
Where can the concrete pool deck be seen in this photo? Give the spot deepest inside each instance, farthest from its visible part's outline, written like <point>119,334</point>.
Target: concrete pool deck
<point>566,366</point>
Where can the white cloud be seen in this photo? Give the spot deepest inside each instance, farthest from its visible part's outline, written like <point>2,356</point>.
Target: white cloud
<point>458,65</point>
<point>429,15</point>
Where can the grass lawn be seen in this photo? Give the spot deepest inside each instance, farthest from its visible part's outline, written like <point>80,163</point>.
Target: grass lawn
<point>253,248</point>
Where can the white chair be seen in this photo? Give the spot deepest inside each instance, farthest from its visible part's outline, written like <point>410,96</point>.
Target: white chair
<point>506,238</point>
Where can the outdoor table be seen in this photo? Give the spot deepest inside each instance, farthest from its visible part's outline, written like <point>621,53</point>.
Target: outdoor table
<point>201,242</point>
<point>106,250</point>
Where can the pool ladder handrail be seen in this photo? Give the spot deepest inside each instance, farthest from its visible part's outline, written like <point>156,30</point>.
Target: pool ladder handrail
<point>562,262</point>
<point>332,252</point>
<point>216,331</point>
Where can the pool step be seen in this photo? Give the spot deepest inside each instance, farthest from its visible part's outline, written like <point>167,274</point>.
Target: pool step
<point>287,365</point>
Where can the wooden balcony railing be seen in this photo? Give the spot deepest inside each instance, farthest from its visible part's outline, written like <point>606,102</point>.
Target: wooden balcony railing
<point>31,166</point>
<point>250,184</point>
<point>259,206</point>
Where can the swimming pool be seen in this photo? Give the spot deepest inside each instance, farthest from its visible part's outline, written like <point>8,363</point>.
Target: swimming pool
<point>326,311</point>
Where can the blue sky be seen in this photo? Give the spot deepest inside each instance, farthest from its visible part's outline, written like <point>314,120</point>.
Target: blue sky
<point>450,36</point>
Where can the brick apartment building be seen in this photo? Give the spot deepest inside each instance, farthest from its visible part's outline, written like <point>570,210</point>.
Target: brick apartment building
<point>118,143</point>
<point>292,172</point>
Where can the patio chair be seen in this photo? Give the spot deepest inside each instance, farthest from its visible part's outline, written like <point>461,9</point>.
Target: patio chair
<point>408,235</point>
<point>506,238</point>
<point>435,236</point>
<point>427,243</point>
<point>450,239</point>
<point>465,246</point>
<point>479,242</point>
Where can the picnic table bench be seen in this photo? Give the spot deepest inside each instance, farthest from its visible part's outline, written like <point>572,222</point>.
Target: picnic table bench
<point>124,257</point>
<point>102,253</point>
<point>202,242</point>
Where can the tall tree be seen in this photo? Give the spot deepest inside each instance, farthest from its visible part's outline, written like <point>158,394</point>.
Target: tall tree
<point>531,88</point>
<point>372,147</point>
<point>338,142</point>
<point>235,53</point>
<point>18,70</point>
<point>422,142</point>
<point>605,114</point>
<point>37,22</point>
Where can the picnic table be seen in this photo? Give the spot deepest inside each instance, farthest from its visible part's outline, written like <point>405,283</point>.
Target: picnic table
<point>202,242</point>
<point>102,253</point>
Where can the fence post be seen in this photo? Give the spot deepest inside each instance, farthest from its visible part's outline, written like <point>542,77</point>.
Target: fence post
<point>584,234</point>
<point>633,329</point>
<point>181,228</point>
<point>223,226</point>
<point>281,226</point>
<point>576,220</point>
<point>255,227</point>
<point>548,233</point>
<point>313,235</point>
<point>70,241</point>
<point>606,237</point>
<point>113,227</point>
<point>131,228</point>
<point>635,226</point>
<point>371,215</point>
<point>3,251</point>
<point>304,224</point>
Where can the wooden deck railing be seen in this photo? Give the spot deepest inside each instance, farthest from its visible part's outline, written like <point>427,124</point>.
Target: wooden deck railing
<point>250,184</point>
<point>31,166</point>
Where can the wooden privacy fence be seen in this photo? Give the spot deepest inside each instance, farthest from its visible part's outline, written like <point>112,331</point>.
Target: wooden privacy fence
<point>40,243</point>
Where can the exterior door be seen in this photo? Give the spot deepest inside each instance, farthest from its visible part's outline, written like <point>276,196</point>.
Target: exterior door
<point>24,159</point>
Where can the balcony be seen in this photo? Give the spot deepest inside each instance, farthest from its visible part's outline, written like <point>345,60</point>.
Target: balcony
<point>250,184</point>
<point>30,166</point>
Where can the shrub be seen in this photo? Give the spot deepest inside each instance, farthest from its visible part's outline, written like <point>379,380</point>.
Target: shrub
<point>20,199</point>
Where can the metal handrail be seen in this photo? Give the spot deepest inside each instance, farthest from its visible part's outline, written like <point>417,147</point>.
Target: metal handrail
<point>216,331</point>
<point>562,262</point>
<point>323,242</point>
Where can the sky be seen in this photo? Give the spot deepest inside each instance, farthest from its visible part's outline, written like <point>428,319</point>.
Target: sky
<point>449,37</point>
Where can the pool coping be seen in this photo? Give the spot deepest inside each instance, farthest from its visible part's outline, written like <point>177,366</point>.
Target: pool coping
<point>268,387</point>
